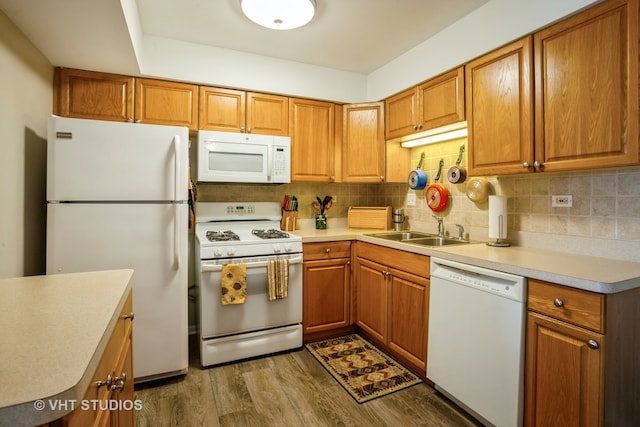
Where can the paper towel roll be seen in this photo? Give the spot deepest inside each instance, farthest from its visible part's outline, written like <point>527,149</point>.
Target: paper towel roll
<point>497,217</point>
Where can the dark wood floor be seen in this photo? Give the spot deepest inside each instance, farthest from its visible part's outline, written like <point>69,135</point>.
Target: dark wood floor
<point>287,389</point>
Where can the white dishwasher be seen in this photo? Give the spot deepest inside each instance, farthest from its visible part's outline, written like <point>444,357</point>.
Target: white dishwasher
<point>475,350</point>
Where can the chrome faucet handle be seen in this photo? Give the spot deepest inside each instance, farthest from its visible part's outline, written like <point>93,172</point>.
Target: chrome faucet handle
<point>460,232</point>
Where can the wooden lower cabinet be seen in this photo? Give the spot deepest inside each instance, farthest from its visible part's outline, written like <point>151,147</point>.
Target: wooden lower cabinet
<point>326,289</point>
<point>581,357</point>
<point>392,302</point>
<point>109,400</point>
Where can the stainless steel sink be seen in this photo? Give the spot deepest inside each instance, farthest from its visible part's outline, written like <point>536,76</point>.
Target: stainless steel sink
<point>417,238</point>
<point>401,235</point>
<point>437,241</point>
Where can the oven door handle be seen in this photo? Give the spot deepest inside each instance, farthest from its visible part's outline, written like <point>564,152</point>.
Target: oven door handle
<point>260,264</point>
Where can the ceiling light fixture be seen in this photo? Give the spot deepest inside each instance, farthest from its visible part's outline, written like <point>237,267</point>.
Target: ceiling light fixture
<point>279,14</point>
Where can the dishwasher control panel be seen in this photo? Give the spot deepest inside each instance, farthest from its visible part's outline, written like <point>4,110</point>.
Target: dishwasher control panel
<point>496,282</point>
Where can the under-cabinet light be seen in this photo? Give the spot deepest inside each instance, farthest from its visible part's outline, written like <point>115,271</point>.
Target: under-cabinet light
<point>444,133</point>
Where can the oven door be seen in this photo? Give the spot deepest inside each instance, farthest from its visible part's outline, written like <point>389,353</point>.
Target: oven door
<point>257,312</point>
<point>237,158</point>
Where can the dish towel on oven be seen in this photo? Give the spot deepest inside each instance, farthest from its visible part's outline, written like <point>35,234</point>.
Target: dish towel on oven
<point>278,275</point>
<point>233,284</point>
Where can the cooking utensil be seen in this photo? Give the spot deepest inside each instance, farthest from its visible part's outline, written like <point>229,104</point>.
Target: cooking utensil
<point>457,174</point>
<point>437,194</point>
<point>478,190</point>
<point>418,177</point>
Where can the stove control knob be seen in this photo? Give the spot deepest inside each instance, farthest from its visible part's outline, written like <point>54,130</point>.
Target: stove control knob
<point>287,248</point>
<point>231,251</point>
<point>217,252</point>
<point>277,249</point>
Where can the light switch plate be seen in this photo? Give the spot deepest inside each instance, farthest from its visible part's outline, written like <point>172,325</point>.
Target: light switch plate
<point>411,199</point>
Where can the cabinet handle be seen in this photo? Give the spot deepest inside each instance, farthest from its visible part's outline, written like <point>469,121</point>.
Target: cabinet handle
<point>558,302</point>
<point>332,178</point>
<point>241,129</point>
<point>419,127</point>
<point>108,382</point>
<point>415,127</point>
<point>381,177</point>
<point>138,120</point>
<point>328,250</point>
<point>248,130</point>
<point>537,164</point>
<point>128,316</point>
<point>129,120</point>
<point>121,381</point>
<point>593,345</point>
<point>526,165</point>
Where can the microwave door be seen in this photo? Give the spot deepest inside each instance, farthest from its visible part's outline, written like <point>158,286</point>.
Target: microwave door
<point>233,162</point>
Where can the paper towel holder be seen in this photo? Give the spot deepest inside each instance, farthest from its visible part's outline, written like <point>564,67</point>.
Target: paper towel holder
<point>497,221</point>
<point>499,241</point>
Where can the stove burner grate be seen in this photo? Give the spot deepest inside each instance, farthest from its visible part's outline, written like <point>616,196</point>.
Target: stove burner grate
<point>270,234</point>
<point>220,236</point>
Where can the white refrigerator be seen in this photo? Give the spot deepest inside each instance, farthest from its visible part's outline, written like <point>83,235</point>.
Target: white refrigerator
<point>117,198</point>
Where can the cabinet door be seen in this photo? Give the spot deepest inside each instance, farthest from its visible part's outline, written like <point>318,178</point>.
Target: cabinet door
<point>90,95</point>
<point>166,103</point>
<point>586,72</point>
<point>371,298</point>
<point>222,109</point>
<point>401,114</point>
<point>564,375</point>
<point>409,317</point>
<point>442,100</point>
<point>363,145</point>
<point>326,294</point>
<point>499,108</point>
<point>267,114</point>
<point>311,127</point>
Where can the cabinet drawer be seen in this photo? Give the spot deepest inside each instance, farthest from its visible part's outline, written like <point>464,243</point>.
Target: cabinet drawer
<point>326,250</point>
<point>579,307</point>
<point>394,258</point>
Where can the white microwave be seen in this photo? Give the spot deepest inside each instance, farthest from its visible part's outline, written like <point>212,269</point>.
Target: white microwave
<point>241,157</point>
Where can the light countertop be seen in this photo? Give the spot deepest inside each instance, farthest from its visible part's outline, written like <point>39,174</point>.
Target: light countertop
<point>602,275</point>
<point>54,331</point>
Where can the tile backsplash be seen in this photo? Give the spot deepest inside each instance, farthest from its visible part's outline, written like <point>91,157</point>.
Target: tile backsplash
<point>604,219</point>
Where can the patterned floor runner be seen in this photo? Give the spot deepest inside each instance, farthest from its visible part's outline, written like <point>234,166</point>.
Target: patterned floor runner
<point>363,370</point>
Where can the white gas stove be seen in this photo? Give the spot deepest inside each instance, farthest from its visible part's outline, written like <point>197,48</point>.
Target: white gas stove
<point>246,233</point>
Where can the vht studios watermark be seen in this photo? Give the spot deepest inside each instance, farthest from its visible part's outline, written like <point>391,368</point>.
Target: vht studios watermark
<point>87,405</point>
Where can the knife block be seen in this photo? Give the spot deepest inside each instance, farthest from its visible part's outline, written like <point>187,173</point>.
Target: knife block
<point>288,222</point>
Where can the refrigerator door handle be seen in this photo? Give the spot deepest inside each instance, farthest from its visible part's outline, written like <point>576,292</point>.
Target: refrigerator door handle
<point>176,147</point>
<point>176,235</point>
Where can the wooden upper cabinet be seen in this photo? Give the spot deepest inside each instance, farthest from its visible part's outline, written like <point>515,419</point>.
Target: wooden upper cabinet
<point>499,108</point>
<point>312,131</point>
<point>434,103</point>
<point>232,110</point>
<point>102,96</point>
<point>442,100</point>
<point>90,95</point>
<point>267,114</point>
<point>363,145</point>
<point>401,114</point>
<point>586,80</point>
<point>222,109</point>
<point>166,103</point>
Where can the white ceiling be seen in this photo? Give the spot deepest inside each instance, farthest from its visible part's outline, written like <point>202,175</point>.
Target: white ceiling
<point>350,35</point>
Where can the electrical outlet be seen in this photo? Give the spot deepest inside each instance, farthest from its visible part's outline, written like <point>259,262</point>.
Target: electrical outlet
<point>564,201</point>
<point>411,199</point>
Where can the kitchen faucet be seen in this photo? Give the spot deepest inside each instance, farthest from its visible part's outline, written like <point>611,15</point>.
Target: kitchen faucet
<point>440,225</point>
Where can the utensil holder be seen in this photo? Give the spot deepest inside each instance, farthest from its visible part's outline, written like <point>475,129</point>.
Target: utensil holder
<point>321,222</point>
<point>288,222</point>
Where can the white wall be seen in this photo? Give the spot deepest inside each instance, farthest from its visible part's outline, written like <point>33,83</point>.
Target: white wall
<point>25,104</point>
